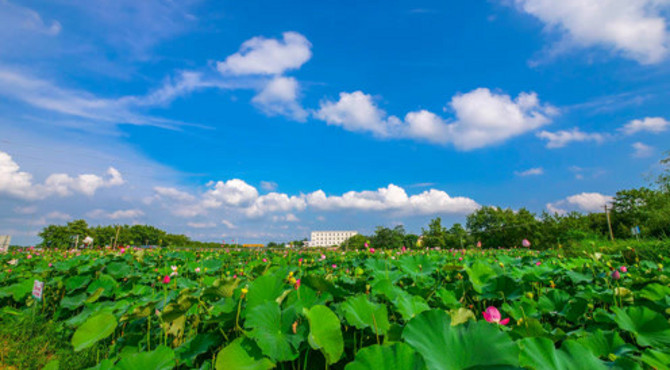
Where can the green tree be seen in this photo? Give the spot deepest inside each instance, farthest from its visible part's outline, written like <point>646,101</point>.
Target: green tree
<point>435,235</point>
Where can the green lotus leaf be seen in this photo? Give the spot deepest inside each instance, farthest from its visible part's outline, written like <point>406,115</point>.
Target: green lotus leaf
<point>540,353</point>
<point>265,320</point>
<point>481,275</point>
<point>649,327</point>
<point>398,356</point>
<point>162,358</point>
<point>362,313</point>
<point>325,332</point>
<point>234,356</point>
<point>96,328</point>
<point>475,344</point>
<point>265,288</point>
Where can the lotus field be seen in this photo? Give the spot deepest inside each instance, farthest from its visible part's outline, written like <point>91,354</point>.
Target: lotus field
<point>392,309</point>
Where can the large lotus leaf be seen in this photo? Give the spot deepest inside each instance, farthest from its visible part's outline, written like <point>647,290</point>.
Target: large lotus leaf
<point>18,291</point>
<point>502,286</point>
<point>118,269</point>
<point>578,278</point>
<point>104,281</point>
<point>196,346</point>
<point>481,275</point>
<point>655,292</point>
<point>386,288</point>
<point>73,302</point>
<point>265,320</point>
<point>265,288</point>
<point>410,305</point>
<point>649,327</point>
<point>77,282</point>
<point>398,356</point>
<point>162,358</point>
<point>602,343</point>
<point>96,328</point>
<point>234,356</point>
<point>475,344</point>
<point>448,298</point>
<point>656,359</point>
<point>554,302</point>
<point>320,284</point>
<point>222,288</point>
<point>540,353</point>
<point>417,265</point>
<point>325,332</point>
<point>362,313</point>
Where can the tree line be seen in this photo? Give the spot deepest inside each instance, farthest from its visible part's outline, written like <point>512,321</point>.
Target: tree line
<point>646,208</point>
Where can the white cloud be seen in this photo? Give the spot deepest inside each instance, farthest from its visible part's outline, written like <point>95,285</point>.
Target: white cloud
<point>275,202</point>
<point>649,124</point>
<point>483,118</point>
<point>635,28</point>
<point>14,17</point>
<point>260,55</point>
<point>562,138</point>
<point>269,185</point>
<point>173,193</point>
<point>642,150</point>
<point>233,192</point>
<point>19,184</point>
<point>201,225</point>
<point>229,224</point>
<point>393,198</point>
<point>56,215</point>
<point>28,210</point>
<point>356,112</point>
<point>530,172</point>
<point>280,97</point>
<point>116,215</point>
<point>289,217</point>
<point>588,202</point>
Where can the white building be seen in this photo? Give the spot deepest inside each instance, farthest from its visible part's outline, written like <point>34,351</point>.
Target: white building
<point>329,238</point>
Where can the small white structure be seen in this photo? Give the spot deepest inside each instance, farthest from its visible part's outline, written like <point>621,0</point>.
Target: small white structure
<point>4,243</point>
<point>329,238</point>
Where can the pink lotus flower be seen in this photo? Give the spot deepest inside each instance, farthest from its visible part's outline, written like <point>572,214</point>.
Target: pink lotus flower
<point>166,279</point>
<point>235,276</point>
<point>297,284</point>
<point>50,264</point>
<point>403,248</point>
<point>29,256</point>
<point>334,266</point>
<point>525,243</point>
<point>300,260</point>
<point>366,244</point>
<point>460,258</point>
<point>479,244</point>
<point>265,259</point>
<point>616,275</point>
<point>197,270</point>
<point>493,315</point>
<point>122,250</point>
<point>538,263</point>
<point>623,269</point>
<point>372,250</point>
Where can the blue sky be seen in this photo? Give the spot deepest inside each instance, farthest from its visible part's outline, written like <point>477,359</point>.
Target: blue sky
<point>256,121</point>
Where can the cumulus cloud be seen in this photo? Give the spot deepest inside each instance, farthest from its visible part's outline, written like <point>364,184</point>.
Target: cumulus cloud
<point>173,193</point>
<point>228,224</point>
<point>642,150</point>
<point>482,118</point>
<point>19,184</point>
<point>393,197</point>
<point>280,97</point>
<point>275,202</point>
<point>264,56</point>
<point>649,124</point>
<point>530,172</point>
<point>116,215</point>
<point>636,29</point>
<point>559,139</point>
<point>356,112</point>
<point>588,202</point>
<point>201,225</point>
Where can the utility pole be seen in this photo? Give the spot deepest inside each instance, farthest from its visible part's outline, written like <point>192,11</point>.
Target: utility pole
<point>609,222</point>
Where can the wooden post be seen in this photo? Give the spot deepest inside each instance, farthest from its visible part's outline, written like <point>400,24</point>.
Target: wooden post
<point>609,222</point>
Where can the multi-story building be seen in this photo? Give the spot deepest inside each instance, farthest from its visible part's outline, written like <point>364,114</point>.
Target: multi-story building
<point>329,238</point>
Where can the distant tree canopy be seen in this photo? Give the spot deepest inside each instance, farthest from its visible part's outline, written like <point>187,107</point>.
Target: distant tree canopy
<point>66,235</point>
